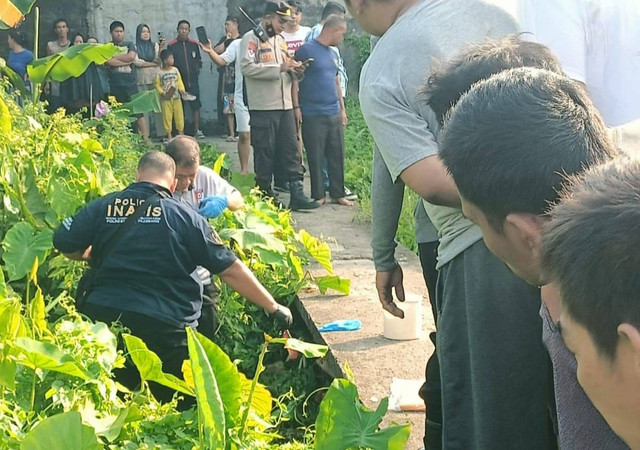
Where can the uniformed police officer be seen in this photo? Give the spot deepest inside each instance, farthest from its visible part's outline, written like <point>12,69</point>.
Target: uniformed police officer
<point>146,281</point>
<point>270,75</point>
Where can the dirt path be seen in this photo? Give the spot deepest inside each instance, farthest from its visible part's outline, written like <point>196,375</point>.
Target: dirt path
<point>373,359</point>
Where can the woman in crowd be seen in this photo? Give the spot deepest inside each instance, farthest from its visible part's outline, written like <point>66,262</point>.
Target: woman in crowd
<point>85,90</point>
<point>147,64</point>
<point>19,56</point>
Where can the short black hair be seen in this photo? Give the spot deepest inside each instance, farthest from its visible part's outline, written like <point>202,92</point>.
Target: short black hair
<point>510,141</point>
<point>332,8</point>
<point>449,80</point>
<point>115,24</point>
<point>233,19</point>
<point>156,161</point>
<point>183,21</point>
<point>19,36</point>
<point>334,21</point>
<point>164,54</point>
<point>184,150</point>
<point>591,250</point>
<point>57,21</point>
<point>295,5</point>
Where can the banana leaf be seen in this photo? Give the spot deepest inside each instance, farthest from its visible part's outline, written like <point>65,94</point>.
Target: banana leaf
<point>12,12</point>
<point>141,103</point>
<point>15,79</point>
<point>72,62</point>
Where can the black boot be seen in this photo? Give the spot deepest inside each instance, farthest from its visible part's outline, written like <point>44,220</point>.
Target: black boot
<point>298,199</point>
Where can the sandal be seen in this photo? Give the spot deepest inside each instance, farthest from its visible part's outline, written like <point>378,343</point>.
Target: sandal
<point>230,139</point>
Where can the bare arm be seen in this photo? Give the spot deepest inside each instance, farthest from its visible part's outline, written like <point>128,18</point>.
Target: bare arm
<point>213,54</point>
<point>240,279</point>
<point>343,110</point>
<point>80,255</point>
<point>219,49</point>
<point>430,179</point>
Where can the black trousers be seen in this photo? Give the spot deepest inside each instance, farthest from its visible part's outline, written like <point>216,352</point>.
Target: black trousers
<point>208,321</point>
<point>274,133</point>
<point>431,391</point>
<point>167,341</point>
<point>323,136</point>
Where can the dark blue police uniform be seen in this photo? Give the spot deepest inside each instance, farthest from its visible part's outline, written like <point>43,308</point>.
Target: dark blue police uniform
<point>147,281</point>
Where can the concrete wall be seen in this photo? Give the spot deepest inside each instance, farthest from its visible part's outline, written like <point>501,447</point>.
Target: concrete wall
<point>163,16</point>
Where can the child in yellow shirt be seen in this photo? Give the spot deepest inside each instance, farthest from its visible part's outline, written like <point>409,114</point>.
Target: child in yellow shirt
<point>171,88</point>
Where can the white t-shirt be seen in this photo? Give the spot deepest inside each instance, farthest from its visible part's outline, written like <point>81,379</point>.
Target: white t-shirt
<point>206,184</point>
<point>598,43</point>
<point>295,40</point>
<point>232,55</point>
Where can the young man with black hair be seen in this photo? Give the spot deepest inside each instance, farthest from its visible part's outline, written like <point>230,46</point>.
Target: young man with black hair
<point>591,253</point>
<point>323,112</point>
<point>509,157</point>
<point>122,73</point>
<point>494,390</point>
<point>226,78</point>
<point>271,76</point>
<point>186,53</point>
<point>62,43</point>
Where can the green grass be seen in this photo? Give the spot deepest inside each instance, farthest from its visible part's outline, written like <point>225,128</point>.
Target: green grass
<point>358,165</point>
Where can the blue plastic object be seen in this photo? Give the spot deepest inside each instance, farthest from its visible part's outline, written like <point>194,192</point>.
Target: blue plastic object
<point>341,325</point>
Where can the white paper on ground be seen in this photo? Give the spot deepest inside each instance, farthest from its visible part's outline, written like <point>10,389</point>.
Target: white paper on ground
<point>404,395</point>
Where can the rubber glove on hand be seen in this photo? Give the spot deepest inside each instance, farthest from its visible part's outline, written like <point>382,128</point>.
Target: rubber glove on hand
<point>283,315</point>
<point>212,207</point>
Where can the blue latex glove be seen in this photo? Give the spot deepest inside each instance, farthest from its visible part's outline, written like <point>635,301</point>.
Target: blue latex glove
<point>341,325</point>
<point>212,207</point>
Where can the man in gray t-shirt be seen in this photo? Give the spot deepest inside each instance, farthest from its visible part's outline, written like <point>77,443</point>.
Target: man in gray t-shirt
<point>493,388</point>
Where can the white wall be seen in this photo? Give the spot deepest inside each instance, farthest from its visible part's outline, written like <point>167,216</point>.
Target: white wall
<point>163,16</point>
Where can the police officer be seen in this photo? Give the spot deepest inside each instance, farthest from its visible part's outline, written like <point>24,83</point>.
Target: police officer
<point>204,191</point>
<point>147,279</point>
<point>270,75</point>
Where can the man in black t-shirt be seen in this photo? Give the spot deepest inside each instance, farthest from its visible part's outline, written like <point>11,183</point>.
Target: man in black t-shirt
<point>122,73</point>
<point>147,280</point>
<point>186,54</point>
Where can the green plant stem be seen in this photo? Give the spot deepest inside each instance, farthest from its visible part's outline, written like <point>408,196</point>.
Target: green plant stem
<point>33,391</point>
<point>254,383</point>
<point>36,86</point>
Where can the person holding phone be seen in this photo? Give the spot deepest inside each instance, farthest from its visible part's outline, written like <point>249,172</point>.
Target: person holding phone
<point>322,110</point>
<point>186,54</point>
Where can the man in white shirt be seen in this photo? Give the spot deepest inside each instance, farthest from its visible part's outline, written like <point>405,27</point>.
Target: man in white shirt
<point>230,56</point>
<point>205,191</point>
<point>294,33</point>
<point>598,44</point>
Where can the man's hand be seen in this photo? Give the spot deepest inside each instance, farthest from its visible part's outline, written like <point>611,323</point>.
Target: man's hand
<point>298,115</point>
<point>385,282</point>
<point>208,47</point>
<point>212,207</point>
<point>283,315</point>
<point>291,64</point>
<point>345,121</point>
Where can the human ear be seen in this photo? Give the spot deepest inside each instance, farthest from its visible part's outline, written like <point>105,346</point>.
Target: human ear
<point>174,185</point>
<point>632,335</point>
<point>527,229</point>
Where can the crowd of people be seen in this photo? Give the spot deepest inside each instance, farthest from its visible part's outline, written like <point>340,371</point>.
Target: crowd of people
<point>506,141</point>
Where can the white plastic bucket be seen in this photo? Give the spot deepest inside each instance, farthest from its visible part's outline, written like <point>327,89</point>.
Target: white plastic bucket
<point>411,326</point>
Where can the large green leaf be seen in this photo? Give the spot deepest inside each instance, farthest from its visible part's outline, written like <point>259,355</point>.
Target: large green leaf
<point>318,249</point>
<point>334,282</point>
<point>72,62</point>
<point>227,376</point>
<point>142,102</point>
<point>22,245</point>
<point>210,408</point>
<point>344,423</point>
<point>61,432</point>
<point>14,78</point>
<point>253,239</point>
<point>307,349</point>
<point>44,355</point>
<point>5,118</point>
<point>150,366</point>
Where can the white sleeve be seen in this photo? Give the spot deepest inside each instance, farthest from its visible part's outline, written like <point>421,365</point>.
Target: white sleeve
<point>563,27</point>
<point>231,52</point>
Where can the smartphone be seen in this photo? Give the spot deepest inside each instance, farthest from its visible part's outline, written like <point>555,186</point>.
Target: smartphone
<point>202,34</point>
<point>160,36</point>
<point>307,62</point>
